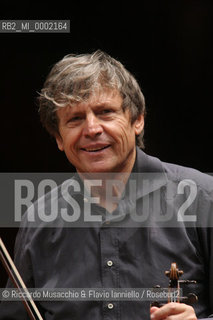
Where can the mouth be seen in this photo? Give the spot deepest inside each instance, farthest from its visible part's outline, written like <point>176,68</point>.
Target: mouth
<point>95,149</point>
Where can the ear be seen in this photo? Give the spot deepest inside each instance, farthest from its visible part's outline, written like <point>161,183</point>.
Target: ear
<point>139,124</point>
<point>59,142</point>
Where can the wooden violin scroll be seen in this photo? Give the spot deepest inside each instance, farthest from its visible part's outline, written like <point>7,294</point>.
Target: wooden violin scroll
<point>174,274</point>
<point>174,287</point>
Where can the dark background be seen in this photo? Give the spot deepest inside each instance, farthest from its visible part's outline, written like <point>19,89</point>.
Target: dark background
<point>167,45</point>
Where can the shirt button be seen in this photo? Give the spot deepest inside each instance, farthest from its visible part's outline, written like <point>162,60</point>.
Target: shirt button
<point>109,263</point>
<point>110,306</point>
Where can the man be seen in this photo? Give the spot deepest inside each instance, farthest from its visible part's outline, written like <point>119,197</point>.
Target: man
<point>95,110</point>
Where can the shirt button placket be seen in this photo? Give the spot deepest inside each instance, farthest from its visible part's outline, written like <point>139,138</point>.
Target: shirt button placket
<point>109,257</point>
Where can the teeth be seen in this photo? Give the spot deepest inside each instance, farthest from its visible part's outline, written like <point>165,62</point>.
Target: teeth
<point>94,149</point>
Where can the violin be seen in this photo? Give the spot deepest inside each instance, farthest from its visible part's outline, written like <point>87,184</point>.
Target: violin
<point>175,286</point>
<point>15,277</point>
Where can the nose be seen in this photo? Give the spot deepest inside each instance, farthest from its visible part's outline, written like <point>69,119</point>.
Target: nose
<point>92,127</point>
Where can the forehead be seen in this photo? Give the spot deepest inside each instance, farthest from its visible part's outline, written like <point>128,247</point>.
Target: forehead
<point>104,98</point>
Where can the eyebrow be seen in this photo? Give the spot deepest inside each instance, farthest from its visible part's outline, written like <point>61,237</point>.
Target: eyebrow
<point>69,112</point>
<point>96,106</point>
<point>104,105</point>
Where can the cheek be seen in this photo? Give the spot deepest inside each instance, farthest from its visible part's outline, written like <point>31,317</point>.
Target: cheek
<point>121,131</point>
<point>70,140</point>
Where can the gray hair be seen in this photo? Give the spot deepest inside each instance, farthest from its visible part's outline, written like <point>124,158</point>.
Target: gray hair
<point>76,77</point>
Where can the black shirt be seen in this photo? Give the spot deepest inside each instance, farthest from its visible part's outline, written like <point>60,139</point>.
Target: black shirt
<point>119,253</point>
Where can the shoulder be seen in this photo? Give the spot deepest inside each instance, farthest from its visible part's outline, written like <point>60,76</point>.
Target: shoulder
<point>174,172</point>
<point>61,200</point>
<point>179,173</point>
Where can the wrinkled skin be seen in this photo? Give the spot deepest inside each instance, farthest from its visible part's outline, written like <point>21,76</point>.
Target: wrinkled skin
<point>97,135</point>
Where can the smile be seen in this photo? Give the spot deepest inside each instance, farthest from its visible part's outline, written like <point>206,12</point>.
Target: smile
<point>93,149</point>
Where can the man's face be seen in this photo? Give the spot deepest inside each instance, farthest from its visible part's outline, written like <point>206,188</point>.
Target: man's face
<point>97,135</point>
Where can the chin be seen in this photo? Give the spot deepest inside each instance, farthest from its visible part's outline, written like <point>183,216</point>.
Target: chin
<point>98,170</point>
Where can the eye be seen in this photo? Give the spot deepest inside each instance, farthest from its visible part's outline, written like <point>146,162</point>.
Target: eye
<point>106,111</point>
<point>74,119</point>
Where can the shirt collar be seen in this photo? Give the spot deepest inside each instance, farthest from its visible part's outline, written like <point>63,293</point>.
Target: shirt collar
<point>149,174</point>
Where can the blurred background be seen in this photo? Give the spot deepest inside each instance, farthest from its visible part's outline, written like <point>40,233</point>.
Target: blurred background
<point>167,45</point>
